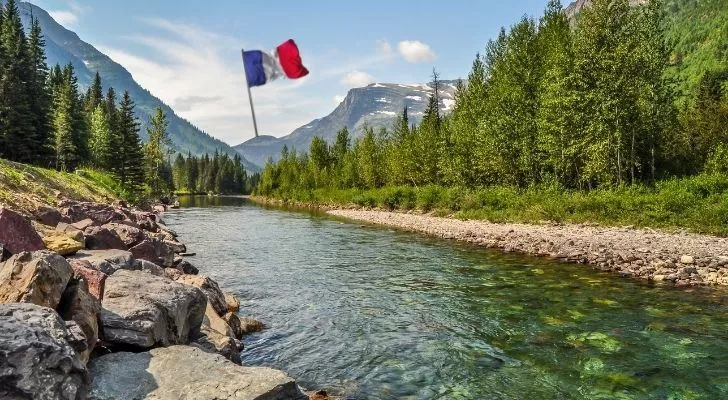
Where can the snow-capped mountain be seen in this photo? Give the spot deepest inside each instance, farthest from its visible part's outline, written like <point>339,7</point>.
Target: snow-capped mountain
<point>376,105</point>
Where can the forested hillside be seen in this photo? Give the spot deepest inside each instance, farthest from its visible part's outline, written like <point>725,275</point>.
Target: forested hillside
<point>595,105</point>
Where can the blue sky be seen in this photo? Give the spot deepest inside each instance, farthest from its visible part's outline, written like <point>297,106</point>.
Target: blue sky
<point>188,53</point>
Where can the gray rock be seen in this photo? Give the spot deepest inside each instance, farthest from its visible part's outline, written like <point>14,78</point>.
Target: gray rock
<point>130,235</point>
<point>249,325</point>
<point>101,238</point>
<point>36,360</point>
<point>48,216</point>
<point>185,372</point>
<point>80,306</point>
<point>187,268</point>
<point>213,341</point>
<point>176,246</point>
<point>155,251</point>
<point>152,268</point>
<point>142,310</point>
<point>39,278</point>
<point>215,296</point>
<point>108,261</point>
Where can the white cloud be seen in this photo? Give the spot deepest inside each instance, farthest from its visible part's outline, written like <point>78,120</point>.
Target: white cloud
<point>64,17</point>
<point>339,99</point>
<point>357,78</point>
<point>70,16</point>
<point>199,74</point>
<point>415,51</point>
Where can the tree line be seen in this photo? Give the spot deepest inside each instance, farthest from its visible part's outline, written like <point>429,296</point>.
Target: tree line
<point>219,174</point>
<point>578,106</point>
<point>46,120</point>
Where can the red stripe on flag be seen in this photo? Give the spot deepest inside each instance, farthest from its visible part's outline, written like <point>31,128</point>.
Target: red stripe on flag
<point>290,59</point>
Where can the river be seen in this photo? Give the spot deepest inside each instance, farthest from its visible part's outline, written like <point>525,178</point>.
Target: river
<point>372,313</point>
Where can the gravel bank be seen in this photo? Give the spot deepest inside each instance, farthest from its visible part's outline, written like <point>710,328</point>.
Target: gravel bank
<point>681,258</point>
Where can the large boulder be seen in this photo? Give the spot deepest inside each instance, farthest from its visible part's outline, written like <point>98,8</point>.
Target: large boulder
<point>36,360</point>
<point>95,279</point>
<point>62,244</point>
<point>71,231</point>
<point>184,372</point>
<point>17,233</point>
<point>108,261</point>
<point>101,238</point>
<point>82,307</point>
<point>155,251</point>
<point>100,214</point>
<point>176,246</point>
<point>141,310</point>
<point>39,278</point>
<point>187,268</point>
<point>48,215</point>
<point>129,235</point>
<point>215,296</point>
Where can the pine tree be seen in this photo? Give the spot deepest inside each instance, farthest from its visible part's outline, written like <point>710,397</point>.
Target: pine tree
<point>130,160</point>
<point>80,132</point>
<point>65,149</point>
<point>39,93</point>
<point>20,141</point>
<point>94,95</point>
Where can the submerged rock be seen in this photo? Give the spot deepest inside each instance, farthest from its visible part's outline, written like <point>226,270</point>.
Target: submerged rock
<point>184,372</point>
<point>249,325</point>
<point>17,233</point>
<point>142,310</point>
<point>36,360</point>
<point>39,278</point>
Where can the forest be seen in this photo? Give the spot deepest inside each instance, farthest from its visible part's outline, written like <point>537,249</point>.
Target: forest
<point>46,120</point>
<point>597,109</point>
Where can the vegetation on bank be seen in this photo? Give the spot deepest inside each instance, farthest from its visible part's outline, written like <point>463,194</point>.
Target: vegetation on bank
<point>25,187</point>
<point>218,174</point>
<point>557,122</point>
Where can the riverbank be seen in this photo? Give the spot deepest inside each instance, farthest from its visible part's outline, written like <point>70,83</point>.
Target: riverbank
<point>683,259</point>
<point>101,300</point>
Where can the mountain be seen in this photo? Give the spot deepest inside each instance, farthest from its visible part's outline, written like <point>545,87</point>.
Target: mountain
<point>64,46</point>
<point>376,105</point>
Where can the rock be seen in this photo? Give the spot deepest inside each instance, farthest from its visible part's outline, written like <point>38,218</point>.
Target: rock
<point>76,338</point>
<point>83,224</point>
<point>158,208</point>
<point>17,233</point>
<point>233,304</point>
<point>4,253</point>
<point>100,238</point>
<point>722,260</point>
<point>48,215</point>
<point>176,246</point>
<point>148,225</point>
<point>215,322</point>
<point>128,234</point>
<point>71,231</point>
<point>184,372</point>
<point>212,291</point>
<point>39,278</point>
<point>687,260</point>
<point>36,360</point>
<point>173,273</point>
<point>95,280</point>
<point>689,270</point>
<point>155,251</point>
<point>62,244</point>
<point>249,325</point>
<point>187,268</point>
<point>108,261</point>
<point>152,268</point>
<point>232,320</point>
<point>82,307</point>
<point>141,310</point>
<point>213,341</point>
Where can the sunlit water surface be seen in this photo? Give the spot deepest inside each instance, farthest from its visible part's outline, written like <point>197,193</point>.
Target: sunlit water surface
<point>372,313</point>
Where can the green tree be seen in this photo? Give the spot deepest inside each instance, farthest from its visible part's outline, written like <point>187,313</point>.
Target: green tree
<point>156,153</point>
<point>102,142</point>
<point>129,160</point>
<point>39,94</point>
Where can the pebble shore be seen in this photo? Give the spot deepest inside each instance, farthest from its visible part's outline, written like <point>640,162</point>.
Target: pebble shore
<point>682,259</point>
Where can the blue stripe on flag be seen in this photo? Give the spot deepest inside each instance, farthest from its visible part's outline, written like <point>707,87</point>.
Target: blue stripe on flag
<point>254,70</point>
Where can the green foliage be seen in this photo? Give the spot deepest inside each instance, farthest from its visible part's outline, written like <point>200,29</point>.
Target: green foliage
<point>220,174</point>
<point>157,150</point>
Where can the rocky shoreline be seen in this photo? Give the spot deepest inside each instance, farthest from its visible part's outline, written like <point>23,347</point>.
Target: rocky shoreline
<point>681,259</point>
<point>101,301</point>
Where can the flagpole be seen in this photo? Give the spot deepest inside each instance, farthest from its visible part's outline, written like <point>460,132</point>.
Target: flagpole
<point>250,95</point>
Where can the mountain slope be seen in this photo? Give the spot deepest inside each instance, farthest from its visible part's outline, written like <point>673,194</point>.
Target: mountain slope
<point>64,46</point>
<point>376,105</point>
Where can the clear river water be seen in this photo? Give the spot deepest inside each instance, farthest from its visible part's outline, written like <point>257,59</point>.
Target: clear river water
<point>372,313</point>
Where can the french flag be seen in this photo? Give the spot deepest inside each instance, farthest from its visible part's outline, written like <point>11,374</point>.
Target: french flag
<point>262,67</point>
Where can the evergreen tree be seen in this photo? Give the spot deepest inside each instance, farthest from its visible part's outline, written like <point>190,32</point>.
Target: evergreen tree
<point>80,132</point>
<point>19,141</point>
<point>94,95</point>
<point>39,93</point>
<point>130,160</point>
<point>156,151</point>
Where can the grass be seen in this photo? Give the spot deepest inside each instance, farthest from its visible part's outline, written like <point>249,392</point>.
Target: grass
<point>24,187</point>
<point>698,204</point>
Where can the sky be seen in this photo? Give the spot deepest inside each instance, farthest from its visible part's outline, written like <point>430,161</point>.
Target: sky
<point>187,53</point>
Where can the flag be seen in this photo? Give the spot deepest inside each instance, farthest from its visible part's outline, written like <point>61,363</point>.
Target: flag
<point>262,67</point>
